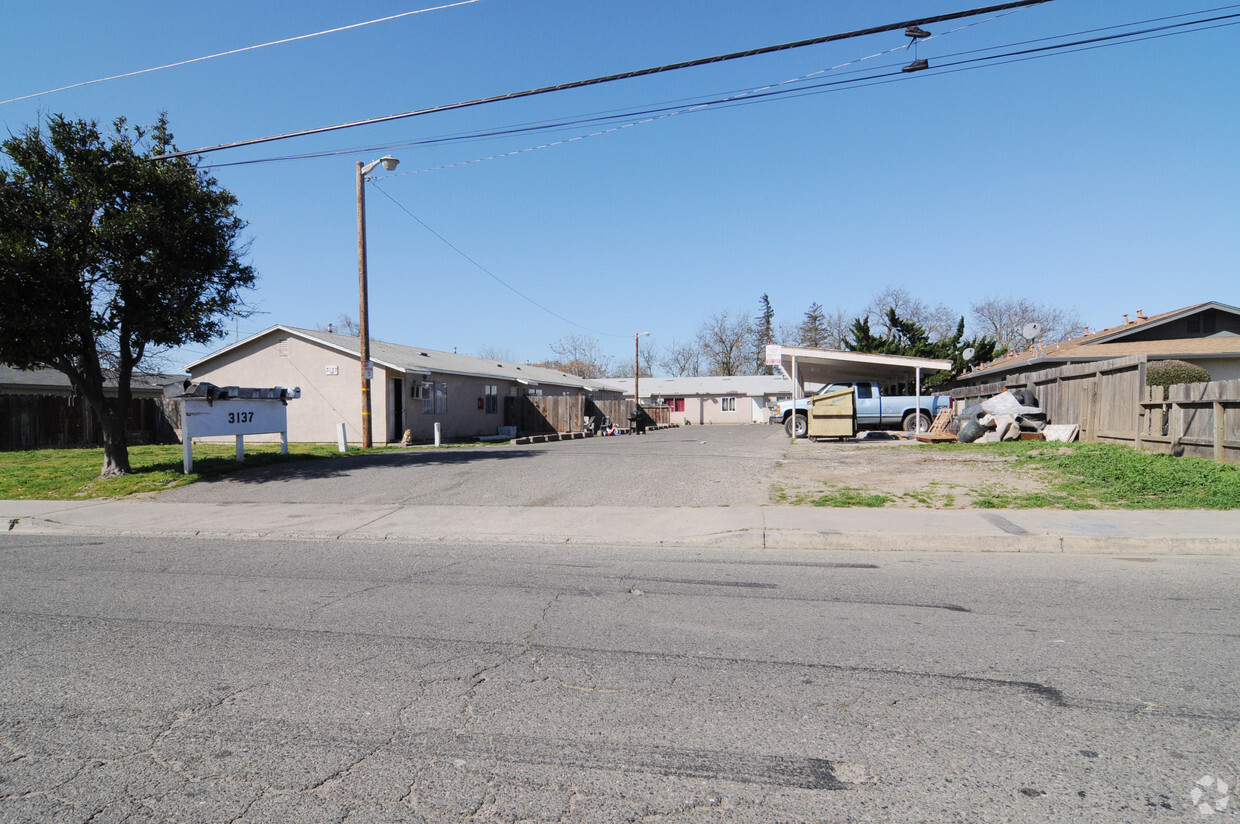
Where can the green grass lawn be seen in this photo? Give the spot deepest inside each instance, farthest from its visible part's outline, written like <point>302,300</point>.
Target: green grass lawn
<point>1109,476</point>
<point>1076,476</point>
<point>64,474</point>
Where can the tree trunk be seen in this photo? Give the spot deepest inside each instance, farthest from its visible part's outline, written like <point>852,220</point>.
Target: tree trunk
<point>115,446</point>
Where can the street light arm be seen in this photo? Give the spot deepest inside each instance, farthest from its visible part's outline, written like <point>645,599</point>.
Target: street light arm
<point>388,162</point>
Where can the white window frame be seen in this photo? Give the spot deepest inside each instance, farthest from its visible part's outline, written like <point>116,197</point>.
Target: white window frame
<point>728,404</point>
<point>434,398</point>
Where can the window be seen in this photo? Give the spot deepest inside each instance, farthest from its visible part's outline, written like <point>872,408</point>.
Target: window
<point>492,399</point>
<point>676,404</point>
<point>729,404</point>
<point>864,391</point>
<point>434,398</point>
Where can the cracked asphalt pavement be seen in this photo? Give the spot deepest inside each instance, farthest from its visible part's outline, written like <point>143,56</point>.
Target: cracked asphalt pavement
<point>207,680</point>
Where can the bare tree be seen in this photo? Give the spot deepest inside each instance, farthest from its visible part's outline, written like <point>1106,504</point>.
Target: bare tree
<point>1004,319</point>
<point>497,353</point>
<point>648,356</point>
<point>580,355</point>
<point>343,325</point>
<point>682,360</point>
<point>725,342</point>
<point>893,297</point>
<point>939,321</point>
<point>836,325</point>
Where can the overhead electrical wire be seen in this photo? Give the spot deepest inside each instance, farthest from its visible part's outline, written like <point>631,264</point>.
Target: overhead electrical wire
<point>781,89</point>
<point>594,81</point>
<point>487,271</point>
<point>239,51</point>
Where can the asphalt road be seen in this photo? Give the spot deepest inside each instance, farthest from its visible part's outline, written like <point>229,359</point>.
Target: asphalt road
<point>248,681</point>
<point>688,466</point>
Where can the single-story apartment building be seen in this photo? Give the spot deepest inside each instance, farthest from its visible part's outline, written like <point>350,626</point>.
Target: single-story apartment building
<point>39,409</point>
<point>711,399</point>
<point>1206,334</point>
<point>412,387</point>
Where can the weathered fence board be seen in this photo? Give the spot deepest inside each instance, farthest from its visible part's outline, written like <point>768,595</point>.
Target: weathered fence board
<point>1111,403</point>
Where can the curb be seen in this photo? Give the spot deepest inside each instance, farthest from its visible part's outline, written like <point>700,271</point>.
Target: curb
<point>751,528</point>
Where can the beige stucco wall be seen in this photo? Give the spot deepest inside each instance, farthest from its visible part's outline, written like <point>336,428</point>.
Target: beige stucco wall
<point>709,410</point>
<point>1220,369</point>
<point>326,400</point>
<point>462,418</point>
<point>329,399</point>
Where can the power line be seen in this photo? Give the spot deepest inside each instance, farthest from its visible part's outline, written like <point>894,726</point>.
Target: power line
<point>781,89</point>
<point>238,51</point>
<point>487,271</point>
<point>577,84</point>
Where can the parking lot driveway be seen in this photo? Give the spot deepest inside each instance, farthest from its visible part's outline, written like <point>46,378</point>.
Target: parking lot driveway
<point>689,466</point>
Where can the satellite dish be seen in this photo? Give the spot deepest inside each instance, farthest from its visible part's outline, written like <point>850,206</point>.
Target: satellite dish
<point>1031,330</point>
<point>967,355</point>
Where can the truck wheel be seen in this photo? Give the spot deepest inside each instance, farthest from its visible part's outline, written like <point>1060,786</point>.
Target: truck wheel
<point>910,422</point>
<point>799,421</point>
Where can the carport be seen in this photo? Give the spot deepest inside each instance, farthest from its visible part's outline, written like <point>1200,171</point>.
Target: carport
<point>825,366</point>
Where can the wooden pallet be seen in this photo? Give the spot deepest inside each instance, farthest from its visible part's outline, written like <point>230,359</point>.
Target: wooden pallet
<point>938,429</point>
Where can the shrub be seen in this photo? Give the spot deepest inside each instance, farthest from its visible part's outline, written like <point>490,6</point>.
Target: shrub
<point>1171,372</point>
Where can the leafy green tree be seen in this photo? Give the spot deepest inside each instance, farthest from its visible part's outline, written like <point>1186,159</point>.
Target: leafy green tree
<point>908,338</point>
<point>108,257</point>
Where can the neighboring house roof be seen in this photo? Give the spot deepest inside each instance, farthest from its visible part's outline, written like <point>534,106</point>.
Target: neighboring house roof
<point>711,385</point>
<point>419,360</point>
<point>1110,343</point>
<point>32,381</point>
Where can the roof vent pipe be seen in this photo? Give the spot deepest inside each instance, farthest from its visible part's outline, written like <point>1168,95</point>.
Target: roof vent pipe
<point>1141,315</point>
<point>1126,321</point>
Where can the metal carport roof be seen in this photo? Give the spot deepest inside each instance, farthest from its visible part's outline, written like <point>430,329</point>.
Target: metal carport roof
<point>824,366</point>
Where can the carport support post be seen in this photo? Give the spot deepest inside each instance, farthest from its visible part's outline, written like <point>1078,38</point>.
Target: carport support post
<point>794,398</point>
<point>917,389</point>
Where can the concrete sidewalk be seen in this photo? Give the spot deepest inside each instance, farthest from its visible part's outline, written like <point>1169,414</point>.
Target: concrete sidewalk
<point>756,527</point>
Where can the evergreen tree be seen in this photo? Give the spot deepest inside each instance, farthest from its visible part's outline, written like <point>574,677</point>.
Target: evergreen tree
<point>763,333</point>
<point>813,329</point>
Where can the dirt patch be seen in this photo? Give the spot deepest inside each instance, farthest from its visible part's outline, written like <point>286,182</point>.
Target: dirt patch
<point>900,474</point>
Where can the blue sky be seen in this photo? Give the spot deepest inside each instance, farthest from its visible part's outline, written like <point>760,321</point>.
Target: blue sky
<point>1106,180</point>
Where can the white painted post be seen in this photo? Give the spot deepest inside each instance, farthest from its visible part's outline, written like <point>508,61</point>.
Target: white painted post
<point>917,389</point>
<point>284,442</point>
<point>437,425</point>
<point>187,448</point>
<point>340,438</point>
<point>794,398</point>
<point>241,449</point>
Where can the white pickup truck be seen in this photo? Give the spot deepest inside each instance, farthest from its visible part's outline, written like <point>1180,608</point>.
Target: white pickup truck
<point>874,409</point>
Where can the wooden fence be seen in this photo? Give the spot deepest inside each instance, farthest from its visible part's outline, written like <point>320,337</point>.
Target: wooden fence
<point>60,421</point>
<point>1111,403</point>
<point>549,415</point>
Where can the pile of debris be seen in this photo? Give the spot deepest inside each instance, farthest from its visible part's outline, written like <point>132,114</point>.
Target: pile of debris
<point>1013,415</point>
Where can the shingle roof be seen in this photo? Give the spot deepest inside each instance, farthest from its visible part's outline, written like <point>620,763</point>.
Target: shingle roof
<point>1108,343</point>
<point>424,360</point>
<point>747,385</point>
<point>53,379</point>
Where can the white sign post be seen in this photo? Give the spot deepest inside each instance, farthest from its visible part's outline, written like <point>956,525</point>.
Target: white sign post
<point>201,418</point>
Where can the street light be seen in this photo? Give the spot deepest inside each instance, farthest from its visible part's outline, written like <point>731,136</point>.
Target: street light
<point>389,163</point>
<point>637,368</point>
